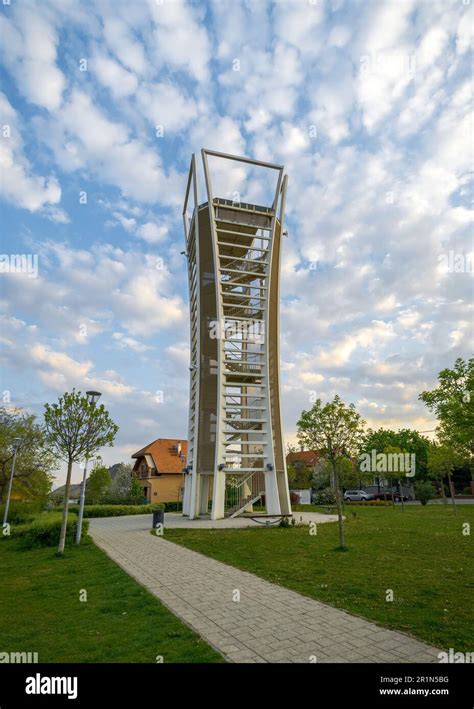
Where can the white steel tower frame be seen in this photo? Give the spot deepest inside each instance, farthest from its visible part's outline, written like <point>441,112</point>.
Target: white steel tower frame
<point>236,453</point>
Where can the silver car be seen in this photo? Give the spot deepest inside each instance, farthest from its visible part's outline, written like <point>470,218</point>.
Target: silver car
<point>356,495</point>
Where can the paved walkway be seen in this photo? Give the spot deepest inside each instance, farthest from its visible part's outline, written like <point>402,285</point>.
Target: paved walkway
<point>268,624</point>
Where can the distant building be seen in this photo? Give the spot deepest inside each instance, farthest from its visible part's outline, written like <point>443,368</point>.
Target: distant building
<point>303,459</point>
<point>57,495</point>
<point>159,469</point>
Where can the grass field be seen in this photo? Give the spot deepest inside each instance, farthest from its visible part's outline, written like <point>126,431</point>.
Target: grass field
<point>420,554</point>
<point>40,611</point>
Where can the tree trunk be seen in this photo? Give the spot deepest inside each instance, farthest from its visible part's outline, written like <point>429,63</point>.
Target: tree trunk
<point>3,482</point>
<point>62,536</point>
<point>340,521</point>
<point>443,494</point>
<point>451,490</point>
<point>400,485</point>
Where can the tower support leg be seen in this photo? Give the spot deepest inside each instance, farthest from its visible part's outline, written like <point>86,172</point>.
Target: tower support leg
<point>204,494</point>
<point>194,502</point>
<point>187,495</point>
<point>218,495</point>
<point>272,499</point>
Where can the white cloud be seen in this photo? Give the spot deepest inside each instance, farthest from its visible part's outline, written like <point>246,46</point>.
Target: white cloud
<point>106,149</point>
<point>152,233</point>
<point>29,51</point>
<point>120,39</point>
<point>112,75</point>
<point>165,105</point>
<point>180,37</point>
<point>124,341</point>
<point>19,184</point>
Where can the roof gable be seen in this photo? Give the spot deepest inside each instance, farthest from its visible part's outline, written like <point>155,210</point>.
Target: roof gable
<point>168,454</point>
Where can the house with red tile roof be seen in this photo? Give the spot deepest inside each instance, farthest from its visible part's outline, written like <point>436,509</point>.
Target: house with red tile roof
<point>303,458</point>
<point>159,468</point>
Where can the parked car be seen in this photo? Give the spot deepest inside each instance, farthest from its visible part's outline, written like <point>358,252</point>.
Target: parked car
<point>357,495</point>
<point>388,495</point>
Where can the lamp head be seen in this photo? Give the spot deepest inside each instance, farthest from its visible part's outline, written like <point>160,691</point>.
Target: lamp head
<point>93,396</point>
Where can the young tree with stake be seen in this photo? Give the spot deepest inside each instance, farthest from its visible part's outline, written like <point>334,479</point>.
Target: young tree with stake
<point>442,460</point>
<point>336,430</point>
<point>76,428</point>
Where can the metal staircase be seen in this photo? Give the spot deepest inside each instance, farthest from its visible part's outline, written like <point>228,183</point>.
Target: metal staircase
<point>242,492</point>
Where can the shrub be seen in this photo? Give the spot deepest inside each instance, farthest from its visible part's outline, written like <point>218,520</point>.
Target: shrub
<point>467,490</point>
<point>370,503</point>
<point>173,506</point>
<point>22,512</point>
<point>325,497</point>
<point>129,500</point>
<point>294,498</point>
<point>116,510</point>
<point>423,492</point>
<point>45,529</point>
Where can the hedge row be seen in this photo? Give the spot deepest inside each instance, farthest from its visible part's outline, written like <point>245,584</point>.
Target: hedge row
<point>370,503</point>
<point>22,512</point>
<point>45,529</point>
<point>116,510</point>
<point>173,506</point>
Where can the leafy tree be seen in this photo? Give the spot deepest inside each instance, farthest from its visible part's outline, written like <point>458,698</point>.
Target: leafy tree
<point>399,477</point>
<point>34,464</point>
<point>76,429</point>
<point>453,403</point>
<point>136,490</point>
<point>98,484</point>
<point>121,480</point>
<point>347,472</point>
<point>405,440</point>
<point>291,473</point>
<point>322,474</point>
<point>336,430</point>
<point>423,491</point>
<point>300,476</point>
<point>442,460</point>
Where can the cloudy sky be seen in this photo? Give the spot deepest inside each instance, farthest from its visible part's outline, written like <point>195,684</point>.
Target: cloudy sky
<point>367,106</point>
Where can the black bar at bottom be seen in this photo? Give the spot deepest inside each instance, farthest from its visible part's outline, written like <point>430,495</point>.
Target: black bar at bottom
<point>378,685</point>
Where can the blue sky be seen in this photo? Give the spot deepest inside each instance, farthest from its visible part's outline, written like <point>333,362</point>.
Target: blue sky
<point>367,106</point>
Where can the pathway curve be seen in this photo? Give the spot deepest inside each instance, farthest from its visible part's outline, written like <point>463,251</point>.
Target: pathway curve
<point>269,623</point>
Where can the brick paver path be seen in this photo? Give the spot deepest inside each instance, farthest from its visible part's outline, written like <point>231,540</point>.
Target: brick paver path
<point>269,623</point>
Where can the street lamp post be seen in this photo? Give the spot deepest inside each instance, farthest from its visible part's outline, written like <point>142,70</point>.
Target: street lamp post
<point>93,397</point>
<point>16,445</point>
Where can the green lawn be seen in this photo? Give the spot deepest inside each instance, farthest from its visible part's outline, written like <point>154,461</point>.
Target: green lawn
<point>421,554</point>
<point>41,612</point>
